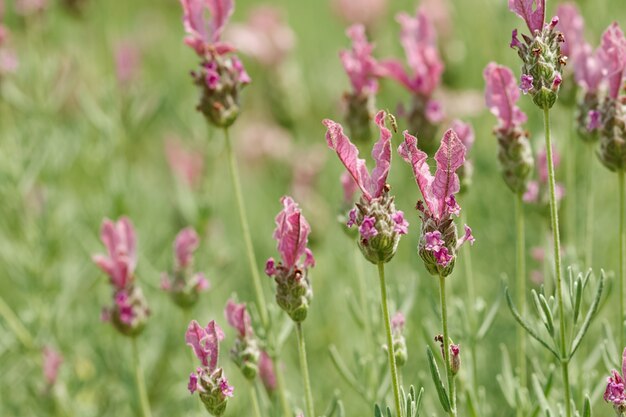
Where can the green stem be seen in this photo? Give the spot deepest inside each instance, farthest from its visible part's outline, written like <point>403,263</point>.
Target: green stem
<point>246,232</point>
<point>446,345</point>
<point>554,219</point>
<point>570,186</point>
<point>305,371</point>
<point>280,387</point>
<point>471,300</point>
<point>255,400</point>
<point>141,384</point>
<point>15,324</point>
<point>590,220</point>
<point>622,255</point>
<point>390,351</point>
<point>521,289</point>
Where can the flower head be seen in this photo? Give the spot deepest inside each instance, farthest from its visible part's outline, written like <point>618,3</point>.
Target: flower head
<point>239,319</point>
<point>361,67</point>
<point>203,34</point>
<point>501,96</point>
<point>245,353</point>
<point>121,259</point>
<point>204,341</point>
<point>532,11</point>
<point>613,57</point>
<point>52,360</point>
<point>615,392</point>
<point>292,233</point>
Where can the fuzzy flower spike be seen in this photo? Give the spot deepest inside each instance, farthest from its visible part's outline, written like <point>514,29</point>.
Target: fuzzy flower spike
<point>514,151</point>
<point>540,52</point>
<point>613,111</point>
<point>245,353</point>
<point>379,223</point>
<point>419,40</point>
<point>209,380</point>
<point>293,286</point>
<point>363,71</point>
<point>184,285</point>
<point>221,75</point>
<point>130,311</point>
<point>438,242</point>
<point>615,392</point>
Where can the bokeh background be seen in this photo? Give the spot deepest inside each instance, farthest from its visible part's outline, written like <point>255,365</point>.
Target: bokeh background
<point>78,144</point>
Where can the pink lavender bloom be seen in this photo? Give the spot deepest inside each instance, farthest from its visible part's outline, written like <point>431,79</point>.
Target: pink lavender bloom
<point>402,226</point>
<point>537,191</point>
<point>30,7</point>
<point>588,68</point>
<point>526,84</point>
<point>186,243</point>
<point>205,342</point>
<point>186,165</point>
<point>127,60</point>
<point>239,319</point>
<point>438,243</point>
<point>465,132</point>
<point>434,111</point>
<point>613,58</point>
<point>121,259</point>
<point>361,67</point>
<point>293,287</point>
<point>532,192</point>
<point>398,321</point>
<point>245,353</point>
<point>573,28</point>
<point>532,11</point>
<point>615,392</point>
<point>398,339</point>
<point>203,35</point>
<point>455,358</point>
<point>265,36</point>
<point>366,12</point>
<point>501,96</point>
<point>349,186</point>
<point>52,361</point>
<point>266,372</point>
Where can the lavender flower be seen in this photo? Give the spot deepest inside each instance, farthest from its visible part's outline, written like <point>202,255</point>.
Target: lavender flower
<point>245,353</point>
<point>379,223</point>
<point>615,392</point>
<point>130,311</point>
<point>221,75</point>
<point>184,285</point>
<point>266,372</point>
<point>514,152</point>
<point>438,242</point>
<point>293,287</point>
<point>540,52</point>
<point>52,361</point>
<point>465,132</point>
<point>209,380</point>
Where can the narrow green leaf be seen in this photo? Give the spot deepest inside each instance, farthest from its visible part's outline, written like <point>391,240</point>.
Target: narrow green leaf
<point>377,412</point>
<point>489,319</point>
<point>526,326</point>
<point>548,314</point>
<point>587,407</point>
<point>355,310</point>
<point>539,393</point>
<point>592,311</point>
<point>578,287</point>
<point>418,402</point>
<point>434,371</point>
<point>389,412</point>
<point>345,372</point>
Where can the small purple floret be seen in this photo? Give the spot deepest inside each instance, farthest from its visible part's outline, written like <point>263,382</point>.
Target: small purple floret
<point>368,228</point>
<point>402,226</point>
<point>527,83</point>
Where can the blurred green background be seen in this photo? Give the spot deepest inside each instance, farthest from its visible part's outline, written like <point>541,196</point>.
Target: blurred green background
<point>76,147</point>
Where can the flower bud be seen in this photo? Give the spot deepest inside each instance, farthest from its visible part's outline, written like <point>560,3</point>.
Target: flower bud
<point>516,158</point>
<point>612,151</point>
<point>293,291</point>
<point>455,358</point>
<point>245,353</point>
<point>398,339</point>
<point>214,390</point>
<point>130,311</point>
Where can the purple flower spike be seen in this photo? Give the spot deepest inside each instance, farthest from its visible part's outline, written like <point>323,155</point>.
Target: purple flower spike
<point>501,96</point>
<point>615,392</point>
<point>185,245</point>
<point>613,57</point>
<point>203,35</point>
<point>205,342</point>
<point>239,319</point>
<point>526,84</point>
<point>121,259</point>
<point>368,228</point>
<point>532,11</point>
<point>361,67</point>
<point>291,233</point>
<point>402,226</point>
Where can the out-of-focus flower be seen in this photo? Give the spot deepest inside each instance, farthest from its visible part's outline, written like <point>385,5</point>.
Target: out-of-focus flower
<point>9,62</point>
<point>613,58</point>
<point>245,353</point>
<point>573,28</point>
<point>514,152</point>
<point>438,240</point>
<point>30,7</point>
<point>465,132</point>
<point>398,339</point>
<point>266,372</point>
<point>306,170</point>
<point>293,287</point>
<point>615,392</point>
<point>265,36</point>
<point>366,12</point>
<point>184,285</point>
<point>52,361</point>
<point>259,140</point>
<point>209,380</point>
<point>127,61</point>
<point>186,165</point>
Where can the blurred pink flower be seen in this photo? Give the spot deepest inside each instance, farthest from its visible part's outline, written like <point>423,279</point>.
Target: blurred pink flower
<point>366,12</point>
<point>121,258</point>
<point>588,68</point>
<point>127,60</point>
<point>260,139</point>
<point>438,12</point>
<point>185,245</point>
<point>572,26</point>
<point>465,132</point>
<point>265,36</point>
<point>52,361</point>
<point>292,233</point>
<point>613,57</point>
<point>532,11</point>
<point>397,321</point>
<point>501,96</point>
<point>359,64</point>
<point>205,342</point>
<point>186,165</point>
<point>239,319</point>
<point>29,7</point>
<point>349,186</point>
<point>203,35</point>
<point>266,372</point>
<point>615,389</point>
<point>8,62</point>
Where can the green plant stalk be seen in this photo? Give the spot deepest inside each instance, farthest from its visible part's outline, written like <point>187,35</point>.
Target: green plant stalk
<point>15,324</point>
<point>256,280</point>
<point>141,383</point>
<point>446,345</point>
<point>365,307</point>
<point>471,301</point>
<point>305,371</point>
<point>280,387</point>
<point>570,186</point>
<point>589,220</point>
<point>390,351</point>
<point>520,282</point>
<point>554,221</point>
<point>622,255</point>
<point>255,400</point>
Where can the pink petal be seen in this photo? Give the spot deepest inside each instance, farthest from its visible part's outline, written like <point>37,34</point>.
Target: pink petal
<point>449,157</point>
<point>52,361</point>
<point>348,155</point>
<point>349,187</point>
<point>532,11</point>
<point>381,153</point>
<point>624,362</point>
<point>266,372</point>
<point>193,21</point>
<point>572,26</point>
<point>361,67</point>
<point>417,159</point>
<point>434,111</point>
<point>588,67</point>
<point>501,94</point>
<point>192,386</point>
<point>392,68</point>
<point>613,57</point>
<point>465,132</point>
<point>239,319</point>
<point>221,10</point>
<point>185,245</point>
<point>291,233</point>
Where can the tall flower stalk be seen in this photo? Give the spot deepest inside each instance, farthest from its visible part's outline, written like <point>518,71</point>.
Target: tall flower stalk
<point>516,160</point>
<point>379,224</point>
<point>439,244</point>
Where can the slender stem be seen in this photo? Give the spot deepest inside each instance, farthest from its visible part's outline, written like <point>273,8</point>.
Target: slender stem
<point>521,288</point>
<point>141,384</point>
<point>246,232</point>
<point>570,186</point>
<point>391,353</point>
<point>446,344</point>
<point>15,324</point>
<point>371,383</point>
<point>554,218</point>
<point>622,255</point>
<point>305,372</point>
<point>471,301</point>
<point>590,220</point>
<point>255,400</point>
<point>280,387</point>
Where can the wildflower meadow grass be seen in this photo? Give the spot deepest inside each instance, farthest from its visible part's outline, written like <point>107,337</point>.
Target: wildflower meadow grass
<point>312,208</point>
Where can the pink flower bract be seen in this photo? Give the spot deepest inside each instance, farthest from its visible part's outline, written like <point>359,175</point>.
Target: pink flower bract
<point>121,259</point>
